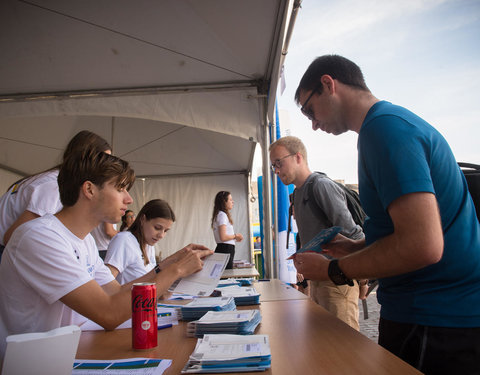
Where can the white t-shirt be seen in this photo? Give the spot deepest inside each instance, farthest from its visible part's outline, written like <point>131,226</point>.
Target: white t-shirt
<point>100,236</point>
<point>222,219</point>
<point>38,194</point>
<point>125,255</point>
<point>43,262</point>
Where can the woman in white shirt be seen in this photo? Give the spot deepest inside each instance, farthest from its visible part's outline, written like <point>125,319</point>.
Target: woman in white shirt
<point>131,253</point>
<point>222,225</point>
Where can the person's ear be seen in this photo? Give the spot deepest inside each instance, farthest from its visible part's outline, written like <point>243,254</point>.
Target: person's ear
<point>89,189</point>
<point>328,83</point>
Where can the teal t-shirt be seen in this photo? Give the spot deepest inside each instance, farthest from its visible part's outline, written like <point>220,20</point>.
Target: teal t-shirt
<point>399,153</point>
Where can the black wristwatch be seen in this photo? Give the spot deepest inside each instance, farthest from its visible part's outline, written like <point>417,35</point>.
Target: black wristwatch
<point>336,275</point>
<point>157,268</point>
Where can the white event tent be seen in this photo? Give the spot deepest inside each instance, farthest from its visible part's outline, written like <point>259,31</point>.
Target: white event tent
<point>182,89</point>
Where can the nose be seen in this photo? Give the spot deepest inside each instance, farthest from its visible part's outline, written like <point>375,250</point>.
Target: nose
<point>128,198</point>
<point>161,234</point>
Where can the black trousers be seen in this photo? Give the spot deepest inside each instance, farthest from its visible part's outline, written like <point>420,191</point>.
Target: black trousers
<point>433,350</point>
<point>226,248</point>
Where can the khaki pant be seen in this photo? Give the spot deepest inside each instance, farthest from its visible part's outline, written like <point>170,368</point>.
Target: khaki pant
<point>340,300</point>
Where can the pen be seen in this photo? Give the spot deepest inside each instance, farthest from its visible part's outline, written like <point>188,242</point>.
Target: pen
<point>164,314</point>
<point>164,326</point>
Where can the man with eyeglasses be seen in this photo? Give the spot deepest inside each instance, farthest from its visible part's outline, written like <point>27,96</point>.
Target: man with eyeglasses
<point>318,204</point>
<point>422,236</point>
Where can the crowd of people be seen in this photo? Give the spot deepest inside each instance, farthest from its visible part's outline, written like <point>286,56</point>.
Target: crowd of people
<point>420,239</point>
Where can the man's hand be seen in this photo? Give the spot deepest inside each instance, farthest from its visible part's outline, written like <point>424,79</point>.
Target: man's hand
<point>312,266</point>
<point>341,246</point>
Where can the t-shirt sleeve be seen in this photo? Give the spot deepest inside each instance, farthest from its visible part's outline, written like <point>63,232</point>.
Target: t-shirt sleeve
<point>396,156</point>
<point>45,198</point>
<point>119,251</point>
<point>222,218</point>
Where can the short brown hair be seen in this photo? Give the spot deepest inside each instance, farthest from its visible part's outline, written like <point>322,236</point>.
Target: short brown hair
<point>337,67</point>
<point>292,144</point>
<point>90,165</point>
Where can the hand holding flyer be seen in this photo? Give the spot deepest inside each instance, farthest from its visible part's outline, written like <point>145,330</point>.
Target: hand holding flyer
<point>323,237</point>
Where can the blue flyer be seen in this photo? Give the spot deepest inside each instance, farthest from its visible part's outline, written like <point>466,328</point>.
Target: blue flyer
<point>323,237</point>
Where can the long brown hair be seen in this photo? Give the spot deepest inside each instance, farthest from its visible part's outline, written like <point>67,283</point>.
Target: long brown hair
<point>156,208</point>
<point>220,204</point>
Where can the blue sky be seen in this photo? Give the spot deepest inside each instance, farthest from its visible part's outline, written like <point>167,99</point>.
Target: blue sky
<point>421,54</point>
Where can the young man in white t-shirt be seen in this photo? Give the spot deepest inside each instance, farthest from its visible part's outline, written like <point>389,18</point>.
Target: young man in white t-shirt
<point>51,265</point>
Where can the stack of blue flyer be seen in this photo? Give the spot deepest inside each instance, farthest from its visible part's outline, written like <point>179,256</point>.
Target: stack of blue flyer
<point>243,295</point>
<point>227,282</point>
<point>230,353</point>
<point>231,281</point>
<point>321,238</point>
<point>200,306</point>
<point>239,322</point>
<point>246,281</point>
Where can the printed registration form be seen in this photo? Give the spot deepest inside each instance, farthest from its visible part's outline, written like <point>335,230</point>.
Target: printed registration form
<point>204,281</point>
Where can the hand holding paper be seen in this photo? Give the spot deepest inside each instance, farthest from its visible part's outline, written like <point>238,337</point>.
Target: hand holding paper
<point>315,244</point>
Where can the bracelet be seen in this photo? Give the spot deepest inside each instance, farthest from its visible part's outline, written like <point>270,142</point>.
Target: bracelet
<point>157,268</point>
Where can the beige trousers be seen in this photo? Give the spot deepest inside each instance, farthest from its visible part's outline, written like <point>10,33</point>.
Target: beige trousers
<point>340,300</point>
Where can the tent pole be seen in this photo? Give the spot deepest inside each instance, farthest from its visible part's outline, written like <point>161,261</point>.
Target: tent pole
<point>267,210</point>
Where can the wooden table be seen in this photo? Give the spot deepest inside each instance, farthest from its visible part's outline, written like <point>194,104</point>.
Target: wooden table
<point>276,290</point>
<point>240,272</point>
<point>304,339</point>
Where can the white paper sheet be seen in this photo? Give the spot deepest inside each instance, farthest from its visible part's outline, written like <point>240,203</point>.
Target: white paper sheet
<point>229,347</point>
<point>205,281</point>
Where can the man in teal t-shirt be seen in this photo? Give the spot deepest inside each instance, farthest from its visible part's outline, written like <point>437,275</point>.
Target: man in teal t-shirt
<point>422,236</point>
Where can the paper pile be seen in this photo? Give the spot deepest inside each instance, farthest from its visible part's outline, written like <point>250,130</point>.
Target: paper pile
<point>229,353</point>
<point>200,306</point>
<point>239,322</point>
<point>242,295</point>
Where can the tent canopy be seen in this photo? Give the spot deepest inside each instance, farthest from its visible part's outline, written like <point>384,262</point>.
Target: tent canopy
<point>178,87</point>
<point>199,71</point>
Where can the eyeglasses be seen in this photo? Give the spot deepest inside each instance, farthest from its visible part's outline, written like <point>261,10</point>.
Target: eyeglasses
<point>277,164</point>
<point>308,112</point>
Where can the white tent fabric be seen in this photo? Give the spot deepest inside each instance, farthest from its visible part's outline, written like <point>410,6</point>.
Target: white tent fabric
<point>178,87</point>
<point>192,223</point>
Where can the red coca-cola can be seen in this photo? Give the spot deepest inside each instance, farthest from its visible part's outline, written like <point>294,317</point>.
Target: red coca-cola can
<point>144,316</point>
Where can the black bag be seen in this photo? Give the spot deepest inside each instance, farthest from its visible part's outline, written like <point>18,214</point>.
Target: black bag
<point>472,175</point>
<point>354,205</point>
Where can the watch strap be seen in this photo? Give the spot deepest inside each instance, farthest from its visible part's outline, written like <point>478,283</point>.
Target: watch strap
<point>336,274</point>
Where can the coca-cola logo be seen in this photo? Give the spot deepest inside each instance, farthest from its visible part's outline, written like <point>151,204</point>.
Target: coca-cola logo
<point>140,304</point>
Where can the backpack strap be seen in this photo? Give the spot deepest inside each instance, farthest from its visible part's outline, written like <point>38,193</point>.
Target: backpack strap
<point>310,198</point>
